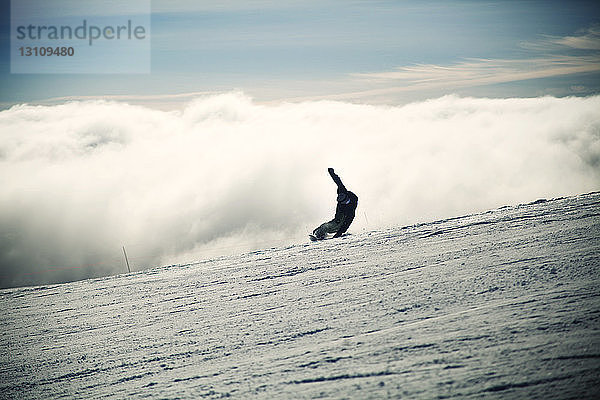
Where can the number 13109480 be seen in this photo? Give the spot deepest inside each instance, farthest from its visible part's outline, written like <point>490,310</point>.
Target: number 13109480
<point>46,51</point>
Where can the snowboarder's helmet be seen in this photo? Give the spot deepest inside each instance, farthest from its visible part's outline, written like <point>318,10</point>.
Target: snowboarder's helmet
<point>342,197</point>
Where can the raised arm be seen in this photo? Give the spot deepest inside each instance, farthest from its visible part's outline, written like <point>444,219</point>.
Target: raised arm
<point>337,180</point>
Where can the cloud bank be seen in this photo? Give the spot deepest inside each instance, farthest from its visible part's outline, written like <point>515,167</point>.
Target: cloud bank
<point>224,174</point>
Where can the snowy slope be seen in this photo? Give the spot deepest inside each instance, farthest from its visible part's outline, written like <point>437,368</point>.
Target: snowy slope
<point>504,304</point>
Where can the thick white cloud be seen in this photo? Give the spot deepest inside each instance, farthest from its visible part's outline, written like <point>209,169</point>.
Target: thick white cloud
<point>79,180</point>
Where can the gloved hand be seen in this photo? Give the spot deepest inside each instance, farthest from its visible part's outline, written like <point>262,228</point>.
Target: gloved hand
<point>330,170</point>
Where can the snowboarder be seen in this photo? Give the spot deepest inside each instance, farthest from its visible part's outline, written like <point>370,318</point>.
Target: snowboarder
<point>344,212</point>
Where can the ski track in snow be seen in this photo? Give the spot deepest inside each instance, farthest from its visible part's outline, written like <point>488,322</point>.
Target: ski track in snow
<point>503,304</point>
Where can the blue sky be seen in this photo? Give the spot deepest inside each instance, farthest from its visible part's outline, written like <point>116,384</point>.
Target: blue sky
<point>364,51</point>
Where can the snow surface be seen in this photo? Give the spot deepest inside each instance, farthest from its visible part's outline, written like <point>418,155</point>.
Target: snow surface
<point>504,304</point>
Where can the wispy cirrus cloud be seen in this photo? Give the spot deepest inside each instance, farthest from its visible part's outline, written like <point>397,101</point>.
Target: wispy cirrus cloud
<point>588,40</point>
<point>585,39</point>
<point>549,57</point>
<point>474,72</point>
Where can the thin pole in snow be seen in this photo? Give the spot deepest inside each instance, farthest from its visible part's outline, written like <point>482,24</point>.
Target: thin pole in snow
<point>367,219</point>
<point>126,260</point>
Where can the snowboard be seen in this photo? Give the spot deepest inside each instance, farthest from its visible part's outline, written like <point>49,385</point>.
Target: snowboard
<point>313,238</point>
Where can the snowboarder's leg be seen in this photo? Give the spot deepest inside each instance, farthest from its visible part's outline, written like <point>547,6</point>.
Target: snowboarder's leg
<point>328,227</point>
<point>321,231</point>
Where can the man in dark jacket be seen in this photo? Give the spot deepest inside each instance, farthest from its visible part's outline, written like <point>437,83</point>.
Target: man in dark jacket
<point>344,212</point>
